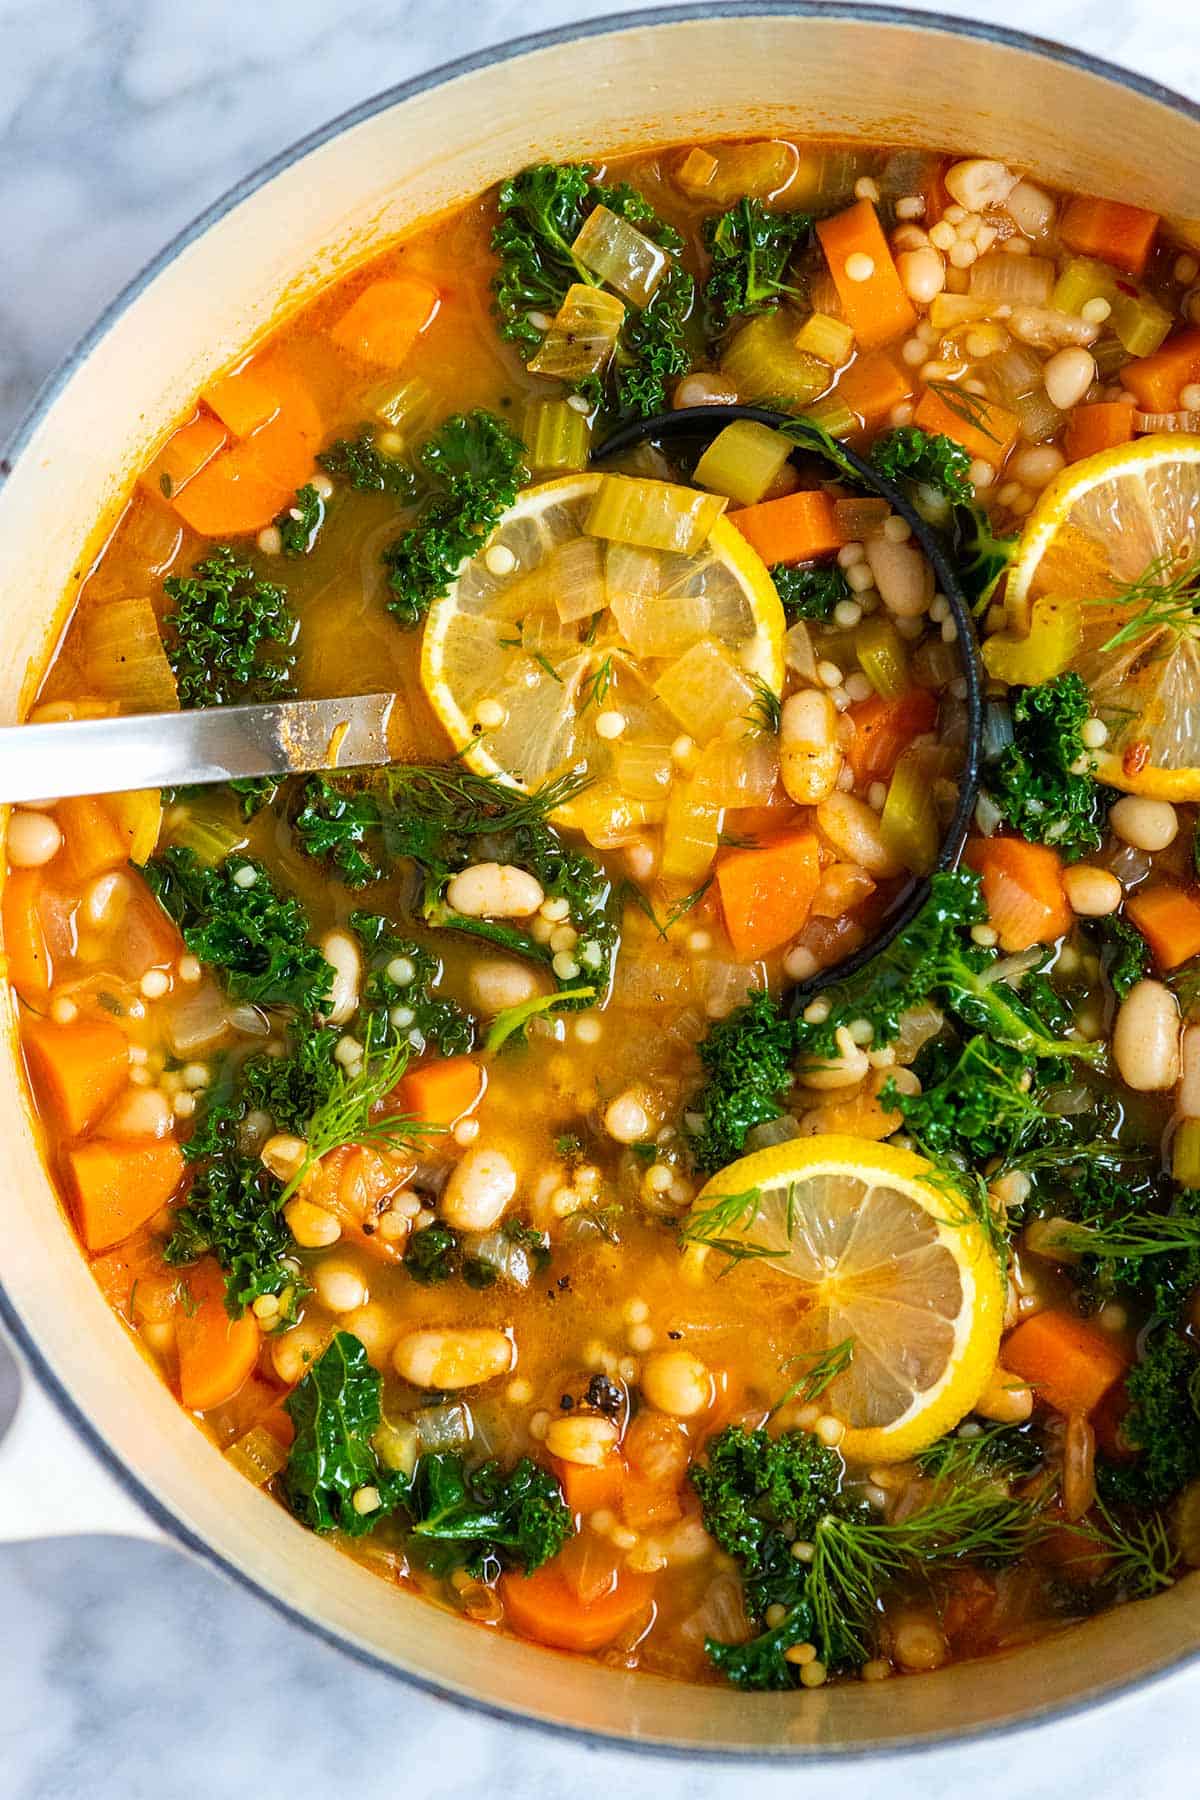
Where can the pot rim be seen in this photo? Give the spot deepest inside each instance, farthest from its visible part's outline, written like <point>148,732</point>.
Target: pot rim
<point>509,50</point>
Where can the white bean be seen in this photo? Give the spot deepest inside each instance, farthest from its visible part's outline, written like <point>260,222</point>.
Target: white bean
<point>1006,1399</point>
<point>852,827</point>
<point>494,891</point>
<point>676,1382</point>
<point>284,1155</point>
<point>1187,1099</point>
<point>497,983</point>
<point>479,1190</point>
<point>809,759</point>
<point>587,1439</point>
<point>341,952</point>
<point>903,577</point>
<point>1146,824</point>
<point>33,838</point>
<point>1031,210</point>
<point>626,1118</point>
<point>1068,375</point>
<point>454,1359</point>
<point>1146,1038</point>
<point>922,273</point>
<point>979,182</point>
<point>339,1288</point>
<point>312,1227</point>
<point>1092,893</point>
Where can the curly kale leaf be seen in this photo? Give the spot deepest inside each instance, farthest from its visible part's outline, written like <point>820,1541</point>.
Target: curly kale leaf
<point>1124,954</point>
<point>299,525</point>
<point>475,468</point>
<point>400,978</point>
<point>1162,1425</point>
<point>809,593</point>
<point>747,1059</point>
<point>236,922</point>
<point>654,347</point>
<point>984,1105</point>
<point>231,1212</point>
<point>1034,781</point>
<point>338,825</point>
<point>910,454</point>
<point>230,635</point>
<point>486,1519</point>
<point>360,462</point>
<point>750,248</point>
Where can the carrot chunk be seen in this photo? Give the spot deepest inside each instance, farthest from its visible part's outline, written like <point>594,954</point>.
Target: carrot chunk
<point>873,299</point>
<point>796,528</point>
<point>872,386</point>
<point>767,892</point>
<point>94,842</point>
<point>1156,381</point>
<point>79,1068</point>
<point>1091,429</point>
<point>883,730</point>
<point>1022,886</point>
<point>131,1265</point>
<point>245,487</point>
<point>386,320</point>
<point>26,946</point>
<point>441,1092</point>
<point>587,1490</point>
<point>118,1186</point>
<point>216,1353</point>
<point>1070,1364</point>
<point>545,1607</point>
<point>232,497</point>
<point>989,433</point>
<point>184,455</point>
<point>244,400</point>
<point>1168,917</point>
<point>1110,230</point>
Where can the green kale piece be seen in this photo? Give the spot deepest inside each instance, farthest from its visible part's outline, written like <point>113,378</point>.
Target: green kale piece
<point>230,635</point>
<point>910,454</point>
<point>432,1255</point>
<point>985,1105</point>
<point>747,1059</point>
<point>1034,780</point>
<point>654,348</point>
<point>436,1023</point>
<point>474,466</point>
<point>338,824</point>
<point>299,524</point>
<point>360,462</point>
<point>751,248</point>
<point>1124,954</point>
<point>809,593</point>
<point>760,1495</point>
<point>1162,1425</point>
<point>231,1212</point>
<point>486,1519</point>
<point>233,919</point>
<point>761,1665</point>
<point>337,1409</point>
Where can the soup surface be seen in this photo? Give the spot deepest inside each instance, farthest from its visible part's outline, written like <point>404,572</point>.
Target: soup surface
<point>483,1148</point>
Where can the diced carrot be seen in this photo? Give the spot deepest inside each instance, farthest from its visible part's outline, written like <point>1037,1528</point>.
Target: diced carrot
<point>184,455</point>
<point>216,1353</point>
<point>26,947</point>
<point>876,306</point>
<point>767,892</point>
<point>443,1091</point>
<point>588,1490</point>
<point>1022,886</point>
<point>232,496</point>
<point>989,432</point>
<point>795,529</point>
<point>93,841</point>
<point>279,1423</point>
<point>386,320</point>
<point>1168,917</point>
<point>118,1186</point>
<point>244,400</point>
<point>284,448</point>
<point>1108,229</point>
<point>883,730</point>
<point>545,1607</point>
<point>872,386</point>
<point>645,1504</point>
<point>118,1272</point>
<point>79,1068</point>
<point>245,487</point>
<point>1157,381</point>
<point>1070,1364</point>
<point>1091,429</point>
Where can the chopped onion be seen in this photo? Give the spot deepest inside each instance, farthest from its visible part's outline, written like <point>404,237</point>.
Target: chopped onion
<point>739,771</point>
<point>799,652</point>
<point>997,729</point>
<point>724,985</point>
<point>251,1021</point>
<point>1014,372</point>
<point>705,690</point>
<point>574,574</point>
<point>825,178</point>
<point>1016,280</point>
<point>448,1427</point>
<point>620,254</point>
<point>1170,421</point>
<point>772,1131</point>
<point>1129,865</point>
<point>582,334</point>
<point>123,656</point>
<point>511,1261</point>
<point>1040,418</point>
<point>988,817</point>
<point>400,404</point>
<point>198,1020</point>
<point>643,770</point>
<point>858,517</point>
<point>651,981</point>
<point>690,832</point>
<point>730,172</point>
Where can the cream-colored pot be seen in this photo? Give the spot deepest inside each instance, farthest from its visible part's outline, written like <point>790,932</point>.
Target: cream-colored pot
<point>99,1443</point>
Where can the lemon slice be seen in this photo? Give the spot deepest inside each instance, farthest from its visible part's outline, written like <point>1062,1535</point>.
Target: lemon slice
<point>1127,522</point>
<point>546,655</point>
<point>891,1262</point>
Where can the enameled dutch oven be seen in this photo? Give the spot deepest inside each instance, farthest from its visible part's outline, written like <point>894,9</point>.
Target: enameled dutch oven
<point>99,1443</point>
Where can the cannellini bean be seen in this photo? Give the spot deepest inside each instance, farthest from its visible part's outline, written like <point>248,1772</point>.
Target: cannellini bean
<point>1146,1038</point>
<point>480,1188</point>
<point>284,1155</point>
<point>338,1287</point>
<point>588,1439</point>
<point>1146,824</point>
<point>918,1641</point>
<point>1092,893</point>
<point>142,1112</point>
<point>33,838</point>
<point>1006,1398</point>
<point>979,182</point>
<point>1187,1100</point>
<point>497,983</point>
<point>493,890</point>
<point>1048,329</point>
<point>312,1227</point>
<point>1030,209</point>
<point>626,1118</point>
<point>922,273</point>
<point>1068,375</point>
<point>677,1382</point>
<point>295,1351</point>
<point>809,759</point>
<point>852,827</point>
<point>454,1359</point>
<point>903,577</point>
<point>341,952</point>
<point>846,1069</point>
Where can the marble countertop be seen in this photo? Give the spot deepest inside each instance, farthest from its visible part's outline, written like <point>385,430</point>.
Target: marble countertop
<point>129,1671</point>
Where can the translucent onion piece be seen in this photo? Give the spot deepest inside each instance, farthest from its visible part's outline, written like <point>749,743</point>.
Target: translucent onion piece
<point>856,518</point>
<point>1015,372</point>
<point>743,461</point>
<point>732,172</point>
<point>258,1455</point>
<point>826,177</point>
<point>447,1427</point>
<point>1016,280</point>
<point>148,536</point>
<point>705,690</point>
<point>642,770</point>
<point>696,171</point>
<point>654,515</point>
<point>609,818</point>
<point>799,653</point>
<point>575,578</point>
<point>582,335</point>
<point>404,405</point>
<point>947,311</point>
<point>123,657</point>
<point>197,1020</point>
<point>620,254</point>
<point>1040,418</point>
<point>690,833</point>
<point>631,576</point>
<point>653,980</point>
<point>512,1261</point>
<point>738,771</point>
<point>558,437</point>
<point>1172,421</point>
<point>772,1131</point>
<point>722,986</point>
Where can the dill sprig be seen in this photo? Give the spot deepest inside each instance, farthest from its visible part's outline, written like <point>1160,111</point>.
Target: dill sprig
<point>1164,602</point>
<point>971,408</point>
<point>1144,1560</point>
<point>765,712</point>
<point>824,1367</point>
<point>998,1453</point>
<point>1130,1235</point>
<point>596,688</point>
<point>716,1226</point>
<point>348,1116</point>
<point>513,1020</point>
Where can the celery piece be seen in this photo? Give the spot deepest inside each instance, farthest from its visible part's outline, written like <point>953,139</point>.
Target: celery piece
<point>882,656</point>
<point>1110,355</point>
<point>743,461</point>
<point>582,334</point>
<point>1054,640</point>
<point>557,436</point>
<point>829,340</point>
<point>834,416</point>
<point>706,690</point>
<point>403,405</point>
<point>946,311</point>
<point>763,362</point>
<point>908,823</point>
<point>654,515</point>
<point>1082,280</point>
<point>209,839</point>
<point>690,832</point>
<point>620,254</point>
<point>1185,1153</point>
<point>755,171</point>
<point>1139,322</point>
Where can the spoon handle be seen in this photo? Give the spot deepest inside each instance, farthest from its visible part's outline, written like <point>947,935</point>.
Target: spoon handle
<point>180,749</point>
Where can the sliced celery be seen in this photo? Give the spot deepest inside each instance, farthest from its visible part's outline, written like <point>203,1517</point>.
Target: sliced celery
<point>754,171</point>
<point>403,405</point>
<point>557,435</point>
<point>1110,356</point>
<point>582,334</point>
<point>620,254</point>
<point>1054,641</point>
<point>1185,1153</point>
<point>763,362</point>
<point>690,832</point>
<point>829,340</point>
<point>834,416</point>
<point>706,690</point>
<point>1139,322</point>
<point>743,461</point>
<point>882,656</point>
<point>1082,280</point>
<point>654,515</point>
<point>908,823</point>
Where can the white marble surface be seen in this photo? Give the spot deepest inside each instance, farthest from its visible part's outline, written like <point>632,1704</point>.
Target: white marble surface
<point>126,1670</point>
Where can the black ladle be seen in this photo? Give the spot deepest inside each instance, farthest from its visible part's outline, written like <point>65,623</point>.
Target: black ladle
<point>700,423</point>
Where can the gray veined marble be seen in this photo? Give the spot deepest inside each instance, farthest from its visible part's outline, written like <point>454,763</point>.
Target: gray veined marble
<point>129,1672</point>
